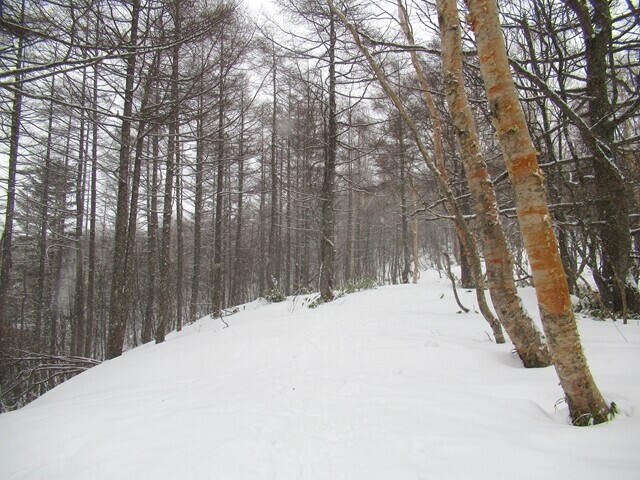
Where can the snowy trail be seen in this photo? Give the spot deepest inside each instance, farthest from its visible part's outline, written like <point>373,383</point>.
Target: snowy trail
<point>384,384</point>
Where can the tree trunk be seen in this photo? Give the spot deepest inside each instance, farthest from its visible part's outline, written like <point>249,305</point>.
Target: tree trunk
<point>78,323</point>
<point>194,311</point>
<point>404,214</point>
<point>523,333</point>
<point>273,267</point>
<point>262,271</point>
<point>165,294</point>
<point>415,253</point>
<point>586,404</point>
<point>179,242</point>
<point>467,238</point>
<point>118,306</point>
<point>91,267</point>
<point>288,253</point>
<point>327,227</point>
<point>612,205</point>
<point>6,243</point>
<point>42,301</point>
<point>152,237</point>
<point>218,292</point>
<point>437,171</point>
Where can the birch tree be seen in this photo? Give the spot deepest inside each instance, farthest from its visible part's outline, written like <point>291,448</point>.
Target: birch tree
<point>436,169</point>
<point>520,327</point>
<point>586,404</point>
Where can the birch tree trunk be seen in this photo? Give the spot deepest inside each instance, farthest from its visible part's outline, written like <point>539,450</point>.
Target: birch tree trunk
<point>523,333</point>
<point>468,244</point>
<point>586,404</point>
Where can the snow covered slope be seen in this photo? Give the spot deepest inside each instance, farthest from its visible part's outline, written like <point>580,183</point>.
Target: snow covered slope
<point>384,384</point>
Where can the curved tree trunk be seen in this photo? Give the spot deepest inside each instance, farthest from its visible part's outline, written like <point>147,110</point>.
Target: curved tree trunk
<point>586,404</point>
<point>470,257</point>
<point>525,336</point>
<point>469,254</point>
<point>438,172</point>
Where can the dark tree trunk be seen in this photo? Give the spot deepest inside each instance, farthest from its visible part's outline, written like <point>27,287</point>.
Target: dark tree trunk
<point>327,227</point>
<point>78,324</point>
<point>6,243</point>
<point>218,285</point>
<point>406,255</point>
<point>194,311</point>
<point>179,242</point>
<point>612,195</point>
<point>166,295</point>
<point>42,302</point>
<point>118,311</point>
<point>273,268</point>
<point>237,277</point>
<point>91,267</point>
<point>152,238</point>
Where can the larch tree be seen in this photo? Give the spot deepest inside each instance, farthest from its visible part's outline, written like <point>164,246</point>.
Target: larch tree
<point>14,145</point>
<point>118,308</point>
<point>328,220</point>
<point>173,144</point>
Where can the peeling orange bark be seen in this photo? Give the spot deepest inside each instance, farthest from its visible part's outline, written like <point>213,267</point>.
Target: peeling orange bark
<point>525,336</point>
<point>586,404</point>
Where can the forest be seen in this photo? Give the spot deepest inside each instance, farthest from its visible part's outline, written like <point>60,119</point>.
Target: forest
<point>163,160</point>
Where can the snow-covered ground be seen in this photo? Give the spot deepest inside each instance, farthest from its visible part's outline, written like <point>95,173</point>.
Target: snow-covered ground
<point>390,383</point>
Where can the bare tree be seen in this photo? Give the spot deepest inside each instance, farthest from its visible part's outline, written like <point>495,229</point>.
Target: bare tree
<point>118,310</point>
<point>14,145</point>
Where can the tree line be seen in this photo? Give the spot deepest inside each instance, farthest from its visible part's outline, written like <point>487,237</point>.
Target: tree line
<point>167,160</point>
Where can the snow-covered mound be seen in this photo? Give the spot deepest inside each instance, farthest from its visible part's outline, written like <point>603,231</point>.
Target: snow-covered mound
<point>384,384</point>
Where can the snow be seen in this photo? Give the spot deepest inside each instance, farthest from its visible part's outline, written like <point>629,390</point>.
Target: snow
<point>389,383</point>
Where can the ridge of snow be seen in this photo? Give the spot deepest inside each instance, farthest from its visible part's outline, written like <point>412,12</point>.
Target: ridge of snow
<point>389,383</point>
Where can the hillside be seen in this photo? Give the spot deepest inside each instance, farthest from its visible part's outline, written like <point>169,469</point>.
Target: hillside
<point>389,383</point>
